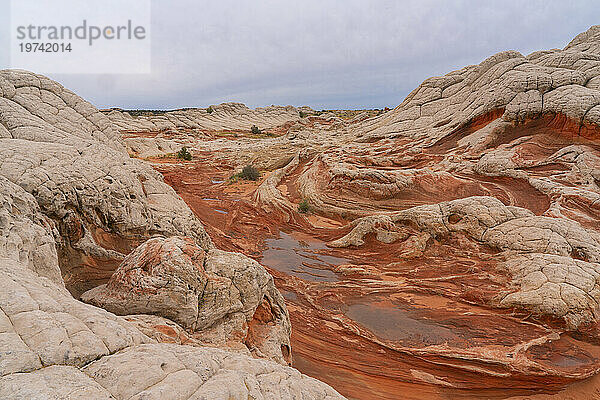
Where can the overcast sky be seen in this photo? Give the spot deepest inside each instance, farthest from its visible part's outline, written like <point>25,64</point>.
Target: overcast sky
<point>321,53</point>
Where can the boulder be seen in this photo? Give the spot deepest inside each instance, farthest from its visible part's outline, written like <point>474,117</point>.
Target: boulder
<point>53,346</point>
<point>215,294</point>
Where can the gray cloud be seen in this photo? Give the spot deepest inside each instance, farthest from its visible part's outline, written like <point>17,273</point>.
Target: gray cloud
<point>323,53</point>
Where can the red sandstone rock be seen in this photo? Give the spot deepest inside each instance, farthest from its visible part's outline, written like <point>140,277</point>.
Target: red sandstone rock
<point>463,232</point>
<point>463,229</point>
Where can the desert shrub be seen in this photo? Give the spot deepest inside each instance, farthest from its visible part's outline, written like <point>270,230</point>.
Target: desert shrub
<point>184,154</point>
<point>249,173</point>
<point>255,130</point>
<point>209,110</point>
<point>304,207</point>
<point>303,114</point>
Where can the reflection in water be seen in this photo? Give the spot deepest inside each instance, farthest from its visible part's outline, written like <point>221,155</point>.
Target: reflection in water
<point>301,258</point>
<point>290,296</point>
<point>402,325</point>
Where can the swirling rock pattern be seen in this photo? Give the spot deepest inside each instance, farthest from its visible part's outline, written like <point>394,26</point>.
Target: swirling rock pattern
<point>462,230</point>
<point>73,207</point>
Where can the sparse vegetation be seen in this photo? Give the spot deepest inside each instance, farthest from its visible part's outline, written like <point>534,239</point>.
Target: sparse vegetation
<point>349,114</point>
<point>167,155</point>
<point>184,154</point>
<point>255,130</point>
<point>304,207</point>
<point>147,113</point>
<point>345,114</point>
<point>249,173</point>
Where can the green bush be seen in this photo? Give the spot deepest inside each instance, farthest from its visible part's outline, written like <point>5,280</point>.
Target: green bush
<point>249,173</point>
<point>255,130</point>
<point>184,154</point>
<point>303,114</point>
<point>209,110</point>
<point>304,207</point>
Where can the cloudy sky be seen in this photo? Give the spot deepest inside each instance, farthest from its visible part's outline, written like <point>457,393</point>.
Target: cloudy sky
<point>321,53</point>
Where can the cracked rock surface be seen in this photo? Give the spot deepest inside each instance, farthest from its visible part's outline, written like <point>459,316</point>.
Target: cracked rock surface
<point>53,346</point>
<point>213,295</point>
<point>538,252</point>
<point>73,207</point>
<point>65,153</point>
<point>451,244</point>
<point>451,247</point>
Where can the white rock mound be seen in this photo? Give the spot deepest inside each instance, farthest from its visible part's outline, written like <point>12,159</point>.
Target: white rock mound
<point>65,153</point>
<point>73,205</point>
<point>214,294</point>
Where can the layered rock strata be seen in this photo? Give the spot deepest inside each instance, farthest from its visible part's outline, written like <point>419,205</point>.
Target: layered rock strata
<point>452,244</point>
<point>73,206</point>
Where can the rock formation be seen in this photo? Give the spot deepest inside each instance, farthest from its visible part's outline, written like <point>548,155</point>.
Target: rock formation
<point>451,247</point>
<point>27,236</point>
<point>74,207</point>
<point>230,116</point>
<point>65,153</point>
<point>215,293</point>
<point>167,132</point>
<point>462,229</point>
<point>53,346</point>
